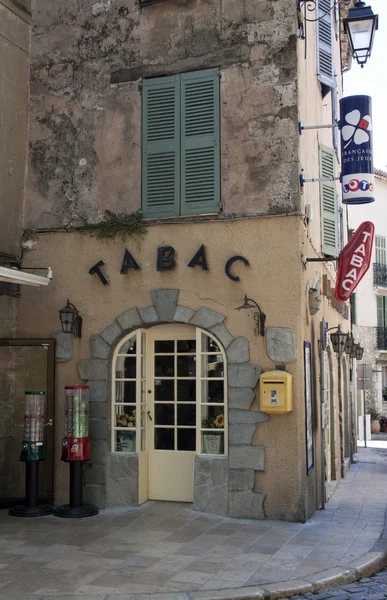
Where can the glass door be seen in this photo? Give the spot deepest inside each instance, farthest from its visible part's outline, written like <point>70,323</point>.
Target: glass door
<point>24,365</point>
<point>171,411</point>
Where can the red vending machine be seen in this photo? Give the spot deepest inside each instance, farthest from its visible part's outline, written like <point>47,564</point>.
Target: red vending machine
<point>76,450</point>
<point>76,441</point>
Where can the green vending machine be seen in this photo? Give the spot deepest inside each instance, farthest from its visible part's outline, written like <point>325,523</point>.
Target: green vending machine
<point>32,453</point>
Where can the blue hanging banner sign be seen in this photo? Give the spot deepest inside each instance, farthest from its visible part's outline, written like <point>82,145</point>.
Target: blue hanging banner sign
<point>356,150</point>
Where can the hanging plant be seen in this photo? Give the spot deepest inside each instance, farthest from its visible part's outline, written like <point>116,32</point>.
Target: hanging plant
<point>114,224</point>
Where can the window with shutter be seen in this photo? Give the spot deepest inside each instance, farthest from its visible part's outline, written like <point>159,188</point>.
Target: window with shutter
<point>180,151</point>
<point>328,203</point>
<point>381,304</point>
<point>380,250</point>
<point>324,32</point>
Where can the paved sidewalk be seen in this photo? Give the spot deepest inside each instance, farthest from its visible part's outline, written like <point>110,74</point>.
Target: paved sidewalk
<point>168,551</point>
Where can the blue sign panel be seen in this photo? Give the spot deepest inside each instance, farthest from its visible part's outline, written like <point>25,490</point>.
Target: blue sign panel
<point>356,150</point>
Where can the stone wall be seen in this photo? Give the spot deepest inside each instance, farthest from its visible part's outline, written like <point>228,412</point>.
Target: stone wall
<point>88,61</point>
<point>14,77</point>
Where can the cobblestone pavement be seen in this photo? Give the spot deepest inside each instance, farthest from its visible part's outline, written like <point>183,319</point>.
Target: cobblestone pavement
<point>168,551</point>
<point>369,588</point>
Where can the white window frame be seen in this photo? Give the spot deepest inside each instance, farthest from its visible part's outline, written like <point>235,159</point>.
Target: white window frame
<point>141,400</point>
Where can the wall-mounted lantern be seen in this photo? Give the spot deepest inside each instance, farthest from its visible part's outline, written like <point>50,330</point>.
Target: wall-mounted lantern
<point>259,316</point>
<point>71,320</point>
<point>339,340</point>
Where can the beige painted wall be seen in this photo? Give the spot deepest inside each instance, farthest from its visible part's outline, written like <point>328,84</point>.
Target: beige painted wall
<point>274,280</point>
<point>14,76</point>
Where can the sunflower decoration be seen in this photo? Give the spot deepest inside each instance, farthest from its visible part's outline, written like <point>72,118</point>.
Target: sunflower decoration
<point>219,421</point>
<point>216,422</point>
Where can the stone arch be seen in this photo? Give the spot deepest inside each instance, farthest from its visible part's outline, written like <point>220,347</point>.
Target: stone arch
<point>223,485</point>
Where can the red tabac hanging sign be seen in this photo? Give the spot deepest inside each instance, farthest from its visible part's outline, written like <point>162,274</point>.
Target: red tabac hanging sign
<point>354,261</point>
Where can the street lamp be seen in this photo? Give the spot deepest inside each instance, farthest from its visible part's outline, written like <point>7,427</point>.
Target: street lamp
<point>71,320</point>
<point>349,344</point>
<point>360,26</point>
<point>359,352</point>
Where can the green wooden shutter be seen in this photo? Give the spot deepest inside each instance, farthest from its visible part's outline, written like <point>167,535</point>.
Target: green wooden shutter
<point>380,250</point>
<point>381,306</point>
<point>161,147</point>
<point>200,161</point>
<point>328,203</point>
<point>352,301</point>
<point>324,32</point>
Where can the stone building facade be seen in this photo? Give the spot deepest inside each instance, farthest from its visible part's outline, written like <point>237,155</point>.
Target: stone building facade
<point>225,216</point>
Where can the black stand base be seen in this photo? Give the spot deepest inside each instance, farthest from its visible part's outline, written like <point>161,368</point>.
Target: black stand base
<point>75,512</point>
<point>40,510</point>
<point>31,506</point>
<point>76,509</point>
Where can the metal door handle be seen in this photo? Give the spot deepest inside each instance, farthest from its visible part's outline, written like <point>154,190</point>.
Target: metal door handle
<point>149,415</point>
<point>49,422</point>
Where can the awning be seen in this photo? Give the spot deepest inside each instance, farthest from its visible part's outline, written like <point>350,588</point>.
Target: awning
<point>13,275</point>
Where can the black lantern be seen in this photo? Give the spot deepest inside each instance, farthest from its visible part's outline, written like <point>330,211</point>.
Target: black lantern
<point>259,317</point>
<point>349,344</point>
<point>71,320</point>
<point>360,26</point>
<point>339,339</point>
<point>359,352</point>
<point>354,350</point>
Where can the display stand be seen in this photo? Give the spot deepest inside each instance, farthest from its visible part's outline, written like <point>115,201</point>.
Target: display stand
<point>76,451</point>
<point>32,454</point>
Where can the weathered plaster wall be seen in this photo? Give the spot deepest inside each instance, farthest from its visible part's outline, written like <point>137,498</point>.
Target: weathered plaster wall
<point>274,280</point>
<point>88,60</point>
<point>14,76</point>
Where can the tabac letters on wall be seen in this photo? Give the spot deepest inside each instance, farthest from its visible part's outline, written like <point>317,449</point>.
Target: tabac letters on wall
<point>166,261</point>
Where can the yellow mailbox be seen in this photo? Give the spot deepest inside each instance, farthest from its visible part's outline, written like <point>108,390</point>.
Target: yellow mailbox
<point>275,388</point>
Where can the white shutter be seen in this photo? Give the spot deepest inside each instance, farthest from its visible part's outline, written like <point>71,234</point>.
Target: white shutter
<point>328,203</point>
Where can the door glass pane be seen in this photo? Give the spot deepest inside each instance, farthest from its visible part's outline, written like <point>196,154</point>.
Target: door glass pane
<point>164,346</point>
<point>129,391</point>
<point>186,390</point>
<point>212,443</point>
<point>186,439</point>
<point>186,345</point>
<point>164,414</point>
<point>186,414</point>
<point>209,345</point>
<point>164,439</point>
<point>164,366</point>
<point>125,441</point>
<point>130,367</point>
<point>212,417</point>
<point>129,347</point>
<point>125,416</point>
<point>164,390</point>
<point>213,391</point>
<point>212,366</point>
<point>186,366</point>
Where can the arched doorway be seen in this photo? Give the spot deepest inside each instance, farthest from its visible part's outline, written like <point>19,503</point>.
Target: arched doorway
<point>168,405</point>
